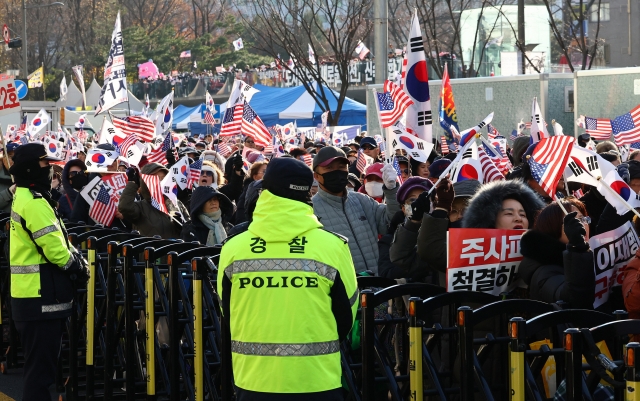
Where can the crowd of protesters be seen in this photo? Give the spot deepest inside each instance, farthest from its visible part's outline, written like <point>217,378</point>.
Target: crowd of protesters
<point>394,219</point>
<point>393,230</point>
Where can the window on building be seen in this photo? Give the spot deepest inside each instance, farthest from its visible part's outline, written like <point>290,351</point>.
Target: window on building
<point>604,13</point>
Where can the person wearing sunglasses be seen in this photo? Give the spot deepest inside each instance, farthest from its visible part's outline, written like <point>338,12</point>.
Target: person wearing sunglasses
<point>210,175</point>
<point>73,180</point>
<point>249,142</point>
<point>370,148</point>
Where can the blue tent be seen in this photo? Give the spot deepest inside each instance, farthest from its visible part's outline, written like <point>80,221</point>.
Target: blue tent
<point>189,118</point>
<point>284,105</point>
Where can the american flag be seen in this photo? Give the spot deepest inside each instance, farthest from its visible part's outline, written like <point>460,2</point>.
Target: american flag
<point>489,169</point>
<point>253,126</point>
<point>104,208</point>
<point>208,118</point>
<point>527,125</point>
<point>361,162</point>
<point>160,155</point>
<point>129,141</point>
<point>393,103</point>
<point>549,160</point>
<point>139,126</point>
<point>232,121</point>
<point>23,123</point>
<point>396,166</point>
<point>599,128</point>
<point>578,193</point>
<point>635,145</point>
<point>492,132</point>
<point>514,135</point>
<point>307,159</point>
<point>224,149</point>
<point>153,183</point>
<point>194,173</point>
<point>443,145</point>
<point>626,128</point>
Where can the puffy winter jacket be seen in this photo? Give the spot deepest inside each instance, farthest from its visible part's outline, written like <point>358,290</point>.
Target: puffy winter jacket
<point>146,218</point>
<point>554,273</point>
<point>360,219</point>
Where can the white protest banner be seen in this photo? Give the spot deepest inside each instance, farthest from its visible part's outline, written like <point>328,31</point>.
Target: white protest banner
<point>114,90</point>
<point>90,191</point>
<point>612,251</point>
<point>9,102</point>
<point>483,260</point>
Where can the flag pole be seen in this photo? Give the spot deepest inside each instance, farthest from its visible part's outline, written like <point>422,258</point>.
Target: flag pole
<point>44,89</point>
<point>374,91</point>
<point>560,204</point>
<point>617,195</point>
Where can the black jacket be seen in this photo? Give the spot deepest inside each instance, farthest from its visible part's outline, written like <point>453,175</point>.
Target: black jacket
<point>195,230</point>
<point>595,204</point>
<point>554,273</point>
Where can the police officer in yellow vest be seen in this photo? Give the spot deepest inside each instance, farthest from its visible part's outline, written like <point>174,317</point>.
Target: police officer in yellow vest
<point>42,264</point>
<point>289,292</point>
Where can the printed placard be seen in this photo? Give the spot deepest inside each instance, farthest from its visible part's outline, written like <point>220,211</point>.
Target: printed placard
<point>484,260</point>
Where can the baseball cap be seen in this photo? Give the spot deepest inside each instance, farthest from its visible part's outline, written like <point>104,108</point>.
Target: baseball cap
<point>437,167</point>
<point>328,154</point>
<point>374,169</point>
<point>367,140</point>
<point>289,178</point>
<point>466,188</point>
<point>31,152</point>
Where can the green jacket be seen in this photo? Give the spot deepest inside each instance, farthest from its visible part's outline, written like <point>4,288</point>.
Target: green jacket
<point>289,292</point>
<point>39,290</point>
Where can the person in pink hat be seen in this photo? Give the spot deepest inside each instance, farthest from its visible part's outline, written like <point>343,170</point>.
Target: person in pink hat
<point>373,183</point>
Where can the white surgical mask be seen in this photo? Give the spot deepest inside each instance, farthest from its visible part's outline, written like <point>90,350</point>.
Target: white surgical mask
<point>374,189</point>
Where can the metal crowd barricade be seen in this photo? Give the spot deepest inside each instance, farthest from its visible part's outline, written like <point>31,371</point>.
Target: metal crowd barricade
<point>433,331</point>
<point>471,362</point>
<point>526,365</point>
<point>373,349</point>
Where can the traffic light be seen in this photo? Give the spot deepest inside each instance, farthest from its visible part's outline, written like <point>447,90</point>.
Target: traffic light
<point>15,43</point>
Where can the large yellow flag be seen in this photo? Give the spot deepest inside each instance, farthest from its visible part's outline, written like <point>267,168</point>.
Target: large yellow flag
<point>36,78</point>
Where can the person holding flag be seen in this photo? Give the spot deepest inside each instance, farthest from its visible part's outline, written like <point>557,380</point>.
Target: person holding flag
<point>148,214</point>
<point>342,211</point>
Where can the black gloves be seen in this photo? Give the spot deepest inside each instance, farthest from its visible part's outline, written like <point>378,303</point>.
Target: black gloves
<point>420,206</point>
<point>171,156</point>
<point>623,171</point>
<point>237,162</point>
<point>79,269</point>
<point>575,232</point>
<point>445,195</point>
<point>133,176</point>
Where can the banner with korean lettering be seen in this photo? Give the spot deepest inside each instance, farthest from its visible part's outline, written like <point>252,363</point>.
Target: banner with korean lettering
<point>9,102</point>
<point>483,260</point>
<point>114,90</point>
<point>612,251</point>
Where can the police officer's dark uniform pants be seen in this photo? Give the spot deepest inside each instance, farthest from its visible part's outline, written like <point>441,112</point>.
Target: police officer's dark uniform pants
<point>41,341</point>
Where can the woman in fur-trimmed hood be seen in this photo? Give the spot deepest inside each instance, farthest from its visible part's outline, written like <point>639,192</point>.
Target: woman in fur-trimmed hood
<point>503,204</point>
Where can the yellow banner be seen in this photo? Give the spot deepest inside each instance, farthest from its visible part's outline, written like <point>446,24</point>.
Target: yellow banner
<point>36,78</point>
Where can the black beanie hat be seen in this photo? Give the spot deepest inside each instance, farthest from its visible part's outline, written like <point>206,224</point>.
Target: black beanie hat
<point>288,178</point>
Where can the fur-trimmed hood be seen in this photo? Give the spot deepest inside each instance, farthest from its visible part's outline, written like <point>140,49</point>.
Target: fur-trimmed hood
<point>487,202</point>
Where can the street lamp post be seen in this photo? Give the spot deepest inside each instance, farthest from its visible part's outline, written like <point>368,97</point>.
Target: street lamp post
<point>24,31</point>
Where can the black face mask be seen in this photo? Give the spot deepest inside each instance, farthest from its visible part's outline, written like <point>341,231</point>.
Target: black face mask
<point>79,181</point>
<point>335,181</point>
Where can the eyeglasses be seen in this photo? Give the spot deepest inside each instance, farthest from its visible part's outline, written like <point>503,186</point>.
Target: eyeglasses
<point>367,147</point>
<point>584,220</point>
<point>249,142</point>
<point>405,170</point>
<point>206,173</point>
<point>74,173</point>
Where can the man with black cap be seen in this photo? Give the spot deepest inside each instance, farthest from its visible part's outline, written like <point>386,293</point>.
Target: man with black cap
<point>356,216</point>
<point>300,284</point>
<point>42,264</point>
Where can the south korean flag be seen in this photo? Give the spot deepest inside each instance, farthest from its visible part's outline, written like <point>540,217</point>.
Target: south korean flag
<point>415,83</point>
